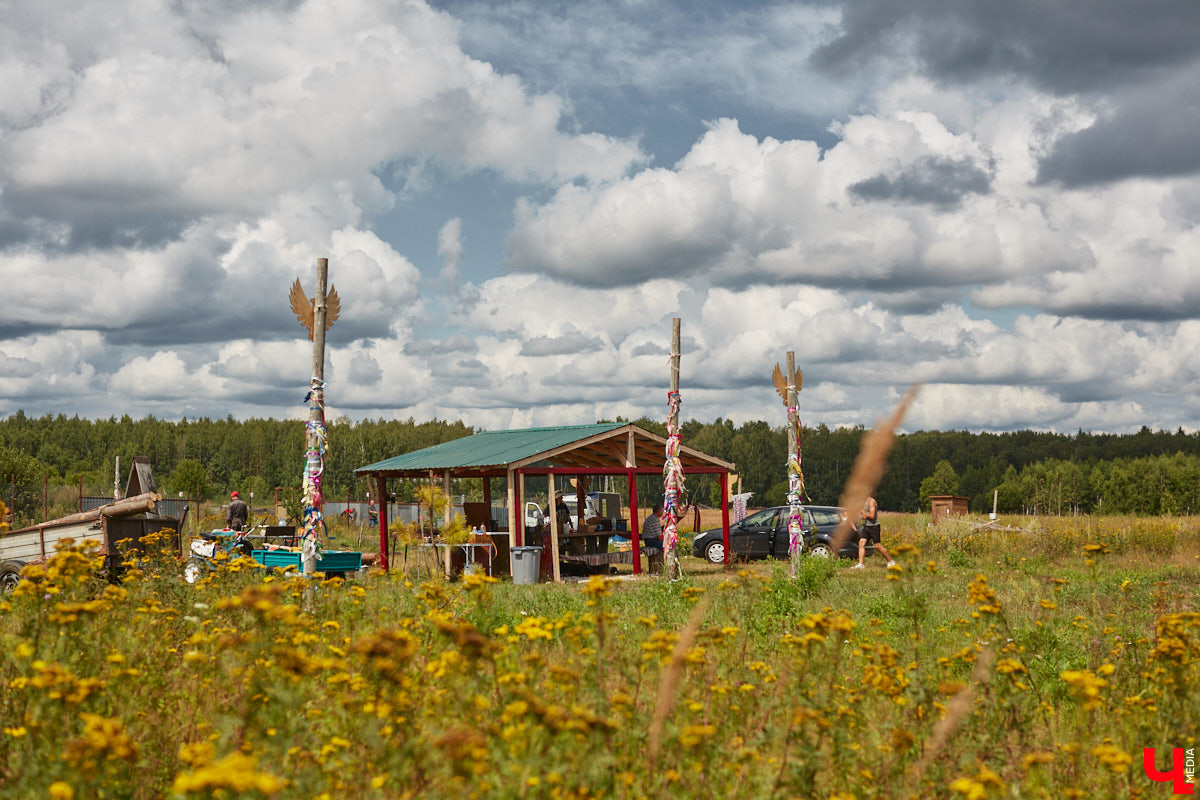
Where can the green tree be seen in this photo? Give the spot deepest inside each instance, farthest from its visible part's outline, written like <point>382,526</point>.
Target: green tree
<point>944,480</point>
<point>189,477</point>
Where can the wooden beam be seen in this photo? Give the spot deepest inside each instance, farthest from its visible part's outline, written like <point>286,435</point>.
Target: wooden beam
<point>548,454</point>
<point>514,535</point>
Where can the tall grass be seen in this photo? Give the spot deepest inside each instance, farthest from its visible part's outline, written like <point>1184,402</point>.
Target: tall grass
<point>1040,665</point>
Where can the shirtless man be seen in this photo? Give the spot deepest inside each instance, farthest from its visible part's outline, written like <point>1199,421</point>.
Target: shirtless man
<point>869,529</point>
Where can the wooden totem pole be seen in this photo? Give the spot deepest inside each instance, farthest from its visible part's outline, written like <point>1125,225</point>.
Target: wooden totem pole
<point>672,467</point>
<point>787,386</point>
<point>317,315</point>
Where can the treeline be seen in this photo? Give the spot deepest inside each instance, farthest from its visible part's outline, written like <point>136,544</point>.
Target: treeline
<point>207,456</point>
<point>1145,472</point>
<point>1036,472</point>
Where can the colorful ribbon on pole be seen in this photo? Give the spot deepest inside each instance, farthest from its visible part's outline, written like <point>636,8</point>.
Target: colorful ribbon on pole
<point>314,472</point>
<point>672,487</point>
<point>795,494</point>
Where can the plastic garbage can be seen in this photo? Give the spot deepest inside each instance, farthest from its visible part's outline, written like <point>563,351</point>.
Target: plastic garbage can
<point>525,561</point>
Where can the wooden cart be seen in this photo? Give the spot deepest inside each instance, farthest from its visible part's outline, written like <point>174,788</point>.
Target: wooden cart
<point>122,521</point>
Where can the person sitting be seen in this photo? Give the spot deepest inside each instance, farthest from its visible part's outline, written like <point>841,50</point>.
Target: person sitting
<point>652,528</point>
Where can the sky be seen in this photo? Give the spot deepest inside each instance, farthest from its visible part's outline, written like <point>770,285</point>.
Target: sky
<point>996,200</point>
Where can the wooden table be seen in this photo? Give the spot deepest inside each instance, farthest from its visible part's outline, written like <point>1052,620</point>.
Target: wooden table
<point>614,557</point>
<point>591,542</point>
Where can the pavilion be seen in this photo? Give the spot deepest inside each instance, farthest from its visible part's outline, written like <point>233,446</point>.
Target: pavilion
<point>578,451</point>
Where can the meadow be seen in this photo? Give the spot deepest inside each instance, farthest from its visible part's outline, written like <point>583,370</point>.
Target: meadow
<point>988,663</point>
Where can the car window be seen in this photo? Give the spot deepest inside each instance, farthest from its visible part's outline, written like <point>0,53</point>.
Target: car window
<point>760,518</point>
<point>823,516</point>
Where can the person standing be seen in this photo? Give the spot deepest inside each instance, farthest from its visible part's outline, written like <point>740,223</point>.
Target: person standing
<point>238,513</point>
<point>869,530</point>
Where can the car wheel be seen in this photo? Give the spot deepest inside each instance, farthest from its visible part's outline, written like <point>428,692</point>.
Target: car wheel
<point>820,551</point>
<point>715,552</point>
<point>10,576</point>
<point>195,569</point>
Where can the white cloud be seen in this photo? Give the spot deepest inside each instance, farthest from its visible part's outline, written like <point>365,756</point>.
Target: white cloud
<point>450,248</point>
<point>165,375</point>
<point>167,171</point>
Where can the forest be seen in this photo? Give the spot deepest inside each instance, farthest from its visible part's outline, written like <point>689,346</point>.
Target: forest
<point>1148,472</point>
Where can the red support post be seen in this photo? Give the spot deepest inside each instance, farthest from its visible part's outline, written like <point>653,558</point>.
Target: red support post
<point>381,502</point>
<point>725,514</point>
<point>635,534</point>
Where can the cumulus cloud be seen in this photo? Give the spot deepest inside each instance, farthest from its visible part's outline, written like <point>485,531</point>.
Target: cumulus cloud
<point>741,209</point>
<point>450,248</point>
<point>166,174</point>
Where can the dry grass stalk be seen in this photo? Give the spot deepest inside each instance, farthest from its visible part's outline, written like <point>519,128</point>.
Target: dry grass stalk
<point>868,467</point>
<point>957,710</point>
<point>670,678</point>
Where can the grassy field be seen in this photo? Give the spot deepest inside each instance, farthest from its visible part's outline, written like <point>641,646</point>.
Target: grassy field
<point>1016,663</point>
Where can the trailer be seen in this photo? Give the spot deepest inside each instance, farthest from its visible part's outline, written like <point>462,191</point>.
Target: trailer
<point>109,526</point>
<point>271,546</point>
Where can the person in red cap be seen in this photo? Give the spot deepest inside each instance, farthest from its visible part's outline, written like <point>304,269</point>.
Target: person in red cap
<point>236,517</point>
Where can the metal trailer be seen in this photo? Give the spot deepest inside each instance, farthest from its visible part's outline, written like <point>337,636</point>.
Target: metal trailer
<point>109,525</point>
<point>206,545</point>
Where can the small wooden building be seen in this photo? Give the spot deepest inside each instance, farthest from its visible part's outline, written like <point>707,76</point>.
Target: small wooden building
<point>946,505</point>
<point>578,451</point>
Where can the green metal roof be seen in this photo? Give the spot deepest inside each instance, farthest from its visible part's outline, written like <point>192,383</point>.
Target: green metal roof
<point>490,448</point>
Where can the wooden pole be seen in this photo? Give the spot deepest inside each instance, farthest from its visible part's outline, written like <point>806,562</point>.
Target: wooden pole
<point>515,520</point>
<point>673,478</point>
<point>795,513</point>
<point>314,469</point>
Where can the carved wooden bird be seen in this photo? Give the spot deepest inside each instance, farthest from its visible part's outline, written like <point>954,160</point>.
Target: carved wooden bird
<point>304,308</point>
<point>781,382</point>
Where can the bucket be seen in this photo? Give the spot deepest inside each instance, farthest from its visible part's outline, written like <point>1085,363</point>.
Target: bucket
<point>525,562</point>
<point>474,568</point>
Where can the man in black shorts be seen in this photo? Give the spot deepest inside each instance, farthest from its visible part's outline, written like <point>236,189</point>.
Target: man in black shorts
<point>869,530</point>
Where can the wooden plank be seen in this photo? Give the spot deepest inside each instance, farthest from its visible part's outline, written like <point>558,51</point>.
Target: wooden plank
<point>36,544</point>
<point>510,488</point>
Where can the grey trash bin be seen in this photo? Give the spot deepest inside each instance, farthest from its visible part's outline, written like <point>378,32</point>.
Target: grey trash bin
<point>525,564</point>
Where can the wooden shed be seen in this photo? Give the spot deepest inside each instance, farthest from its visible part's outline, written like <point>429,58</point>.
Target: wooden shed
<point>947,505</point>
<point>577,451</point>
